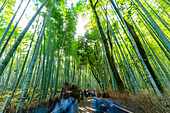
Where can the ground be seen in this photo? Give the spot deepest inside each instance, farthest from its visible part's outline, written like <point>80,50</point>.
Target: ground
<point>85,106</point>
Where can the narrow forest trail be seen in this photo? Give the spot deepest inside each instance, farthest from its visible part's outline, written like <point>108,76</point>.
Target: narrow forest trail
<point>102,105</point>
<point>85,106</point>
<point>117,49</point>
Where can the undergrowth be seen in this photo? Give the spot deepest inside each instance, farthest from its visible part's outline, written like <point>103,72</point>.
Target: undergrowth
<point>143,103</point>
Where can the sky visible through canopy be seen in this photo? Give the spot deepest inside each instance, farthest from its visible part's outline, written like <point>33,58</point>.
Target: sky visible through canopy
<point>82,21</point>
<point>115,46</point>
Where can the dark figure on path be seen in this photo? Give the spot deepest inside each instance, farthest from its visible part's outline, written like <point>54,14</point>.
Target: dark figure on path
<point>72,87</point>
<point>82,95</point>
<point>85,93</point>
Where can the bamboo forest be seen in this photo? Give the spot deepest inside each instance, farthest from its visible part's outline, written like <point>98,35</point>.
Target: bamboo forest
<point>84,56</point>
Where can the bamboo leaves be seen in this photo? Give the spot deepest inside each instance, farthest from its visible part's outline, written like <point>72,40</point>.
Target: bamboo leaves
<point>7,29</point>
<point>29,73</point>
<point>4,63</point>
<point>160,33</point>
<point>127,53</point>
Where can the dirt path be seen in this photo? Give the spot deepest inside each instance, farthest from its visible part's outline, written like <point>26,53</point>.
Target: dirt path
<point>85,106</point>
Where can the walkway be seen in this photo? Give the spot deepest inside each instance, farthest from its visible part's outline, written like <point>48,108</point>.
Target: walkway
<point>85,106</point>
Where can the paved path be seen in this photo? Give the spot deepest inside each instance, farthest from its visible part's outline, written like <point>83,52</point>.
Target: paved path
<point>85,106</point>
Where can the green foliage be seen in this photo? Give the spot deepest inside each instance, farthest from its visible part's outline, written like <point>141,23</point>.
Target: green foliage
<point>83,59</point>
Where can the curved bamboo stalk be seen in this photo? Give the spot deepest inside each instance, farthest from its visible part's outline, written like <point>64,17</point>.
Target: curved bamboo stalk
<point>160,33</point>
<point>9,37</point>
<point>4,62</point>
<point>3,5</point>
<point>7,29</point>
<point>137,51</point>
<point>29,73</point>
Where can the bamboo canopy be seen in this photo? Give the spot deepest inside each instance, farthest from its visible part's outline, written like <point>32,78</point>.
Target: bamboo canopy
<point>125,47</point>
